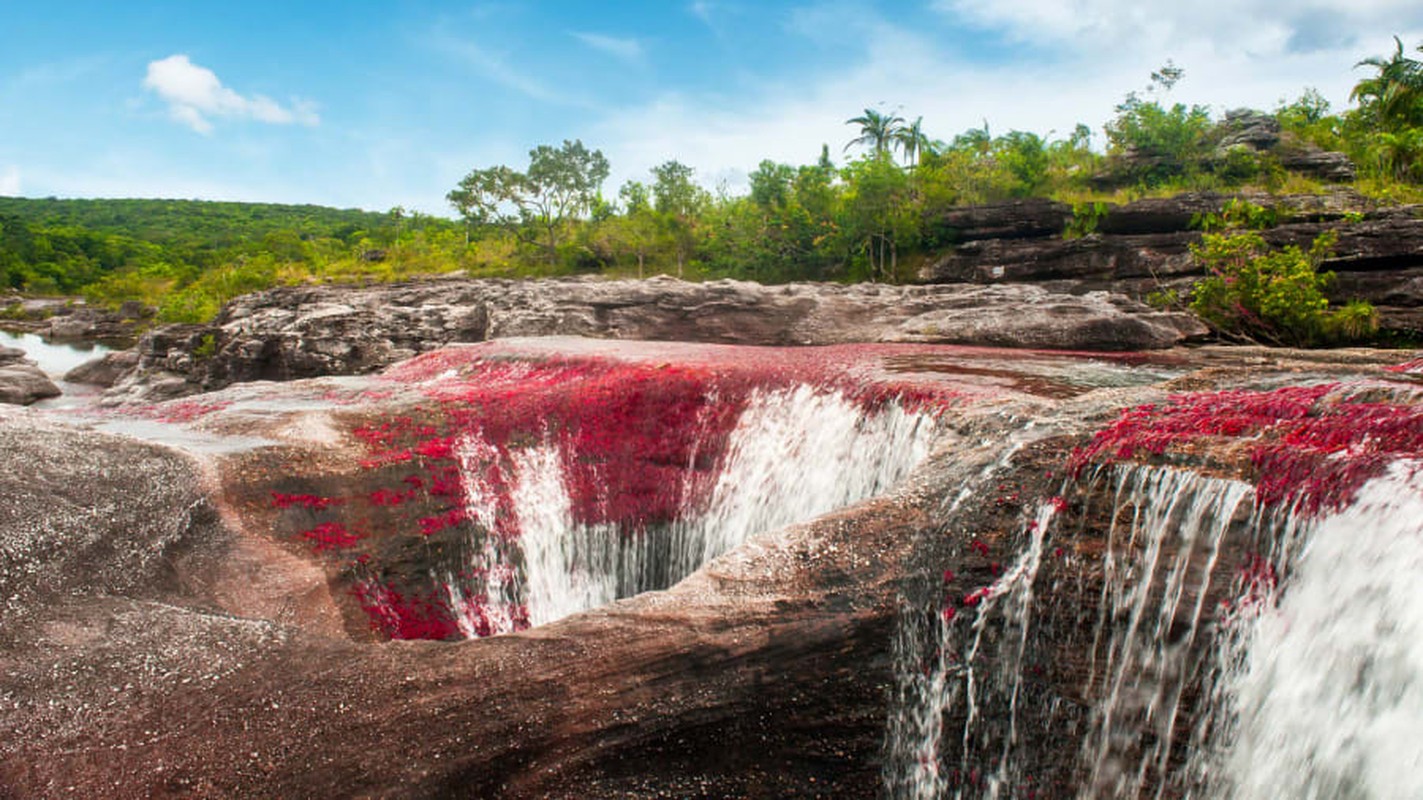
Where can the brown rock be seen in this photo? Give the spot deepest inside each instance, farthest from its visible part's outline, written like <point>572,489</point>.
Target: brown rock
<point>22,384</point>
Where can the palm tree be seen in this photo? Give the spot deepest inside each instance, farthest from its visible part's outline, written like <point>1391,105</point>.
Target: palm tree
<point>1395,94</point>
<point>912,141</point>
<point>877,131</point>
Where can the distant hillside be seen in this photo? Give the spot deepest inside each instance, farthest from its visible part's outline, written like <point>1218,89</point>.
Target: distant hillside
<point>194,223</point>
<point>188,256</point>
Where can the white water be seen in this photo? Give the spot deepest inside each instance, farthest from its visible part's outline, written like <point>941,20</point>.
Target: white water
<point>1328,701</point>
<point>1309,688</point>
<point>1162,548</point>
<point>1158,571</point>
<point>793,455</point>
<point>55,358</point>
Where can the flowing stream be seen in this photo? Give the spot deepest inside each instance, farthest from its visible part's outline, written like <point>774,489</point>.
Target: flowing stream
<point>1326,700</point>
<point>1297,673</point>
<point>792,456</point>
<point>55,358</point>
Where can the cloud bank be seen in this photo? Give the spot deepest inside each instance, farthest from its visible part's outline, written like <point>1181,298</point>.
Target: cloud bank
<point>195,97</point>
<point>10,181</point>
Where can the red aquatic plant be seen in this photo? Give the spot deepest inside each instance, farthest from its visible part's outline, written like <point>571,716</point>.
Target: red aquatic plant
<point>330,536</point>
<point>1309,448</point>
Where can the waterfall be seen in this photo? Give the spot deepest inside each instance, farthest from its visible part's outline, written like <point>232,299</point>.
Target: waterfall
<point>982,709</point>
<point>1295,672</point>
<point>793,454</point>
<point>1327,701</point>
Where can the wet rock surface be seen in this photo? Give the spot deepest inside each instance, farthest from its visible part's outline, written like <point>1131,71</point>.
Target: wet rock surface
<point>166,634</point>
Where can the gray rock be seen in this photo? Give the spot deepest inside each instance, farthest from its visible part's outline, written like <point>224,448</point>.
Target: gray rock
<point>1253,129</point>
<point>1029,316</point>
<point>301,332</point>
<point>105,370</point>
<point>22,384</point>
<point>12,355</point>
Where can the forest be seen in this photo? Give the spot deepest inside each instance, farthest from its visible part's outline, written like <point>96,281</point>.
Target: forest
<point>868,208</point>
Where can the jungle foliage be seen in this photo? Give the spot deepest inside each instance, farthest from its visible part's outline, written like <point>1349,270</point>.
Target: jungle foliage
<point>869,211</point>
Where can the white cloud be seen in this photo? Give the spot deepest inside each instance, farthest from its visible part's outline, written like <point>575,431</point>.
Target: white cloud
<point>10,181</point>
<point>195,96</point>
<point>624,49</point>
<point>1046,89</point>
<point>1262,27</point>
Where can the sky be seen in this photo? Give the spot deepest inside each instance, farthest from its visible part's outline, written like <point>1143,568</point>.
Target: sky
<point>358,103</point>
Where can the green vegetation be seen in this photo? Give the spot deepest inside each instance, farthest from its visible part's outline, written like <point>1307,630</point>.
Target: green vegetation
<point>874,216</point>
<point>1260,293</point>
<point>188,257</point>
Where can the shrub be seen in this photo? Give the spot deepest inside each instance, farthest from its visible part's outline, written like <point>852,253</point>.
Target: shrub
<point>1257,292</point>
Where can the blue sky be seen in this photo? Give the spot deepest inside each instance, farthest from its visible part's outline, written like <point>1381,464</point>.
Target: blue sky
<point>377,104</point>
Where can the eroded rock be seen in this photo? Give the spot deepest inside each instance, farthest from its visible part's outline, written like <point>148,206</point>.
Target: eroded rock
<point>159,639</point>
<point>299,332</point>
<point>21,382</point>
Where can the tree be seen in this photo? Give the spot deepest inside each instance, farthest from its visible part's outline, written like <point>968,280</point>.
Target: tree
<point>911,141</point>
<point>635,197</point>
<point>877,215</point>
<point>1159,142</point>
<point>877,131</point>
<point>1393,96</point>
<point>1260,293</point>
<point>771,184</point>
<point>678,200</point>
<point>560,184</point>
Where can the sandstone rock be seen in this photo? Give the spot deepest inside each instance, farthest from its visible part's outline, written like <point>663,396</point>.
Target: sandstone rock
<point>1162,214</point>
<point>1253,129</point>
<point>12,355</point>
<point>23,383</point>
<point>105,370</point>
<point>91,324</point>
<point>1007,220</point>
<point>140,658</point>
<point>1020,316</point>
<point>1144,246</point>
<point>297,332</point>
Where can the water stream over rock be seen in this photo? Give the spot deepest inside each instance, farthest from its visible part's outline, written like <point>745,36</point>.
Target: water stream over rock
<point>1206,645</point>
<point>1077,575</point>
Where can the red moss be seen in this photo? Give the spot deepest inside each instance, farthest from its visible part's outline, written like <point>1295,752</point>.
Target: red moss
<point>975,597</point>
<point>181,411</point>
<point>1414,367</point>
<point>638,443</point>
<point>1308,447</point>
<point>401,617</point>
<point>330,536</point>
<point>386,497</point>
<point>311,501</point>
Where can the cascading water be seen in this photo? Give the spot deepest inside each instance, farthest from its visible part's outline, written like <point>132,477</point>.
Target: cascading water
<point>793,454</point>
<point>1296,672</point>
<point>1143,606</point>
<point>1327,698</point>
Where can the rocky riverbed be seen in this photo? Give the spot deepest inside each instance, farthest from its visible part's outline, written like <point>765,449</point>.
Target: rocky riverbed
<point>231,615</point>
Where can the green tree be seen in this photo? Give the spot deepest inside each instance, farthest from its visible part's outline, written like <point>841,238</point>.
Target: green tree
<point>1393,97</point>
<point>878,218</point>
<point>878,131</point>
<point>911,141</point>
<point>1261,293</point>
<point>560,184</point>
<point>679,201</point>
<point>1159,142</point>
